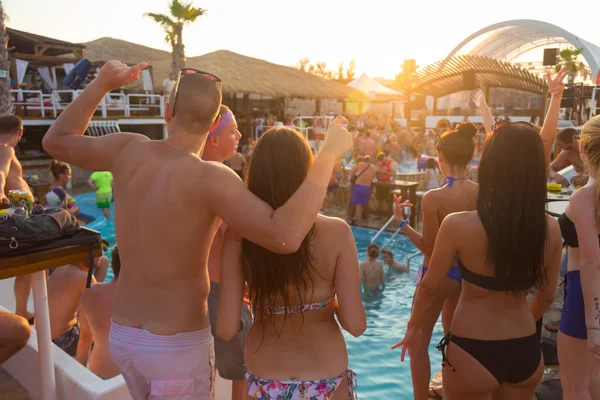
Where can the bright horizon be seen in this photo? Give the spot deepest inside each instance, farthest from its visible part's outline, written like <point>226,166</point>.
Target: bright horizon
<point>379,34</point>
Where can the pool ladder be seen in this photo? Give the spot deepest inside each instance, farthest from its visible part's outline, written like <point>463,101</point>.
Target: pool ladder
<point>410,257</point>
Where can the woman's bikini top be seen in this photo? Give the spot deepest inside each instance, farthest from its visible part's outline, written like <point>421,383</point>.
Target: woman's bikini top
<point>296,309</point>
<point>568,231</point>
<point>488,282</point>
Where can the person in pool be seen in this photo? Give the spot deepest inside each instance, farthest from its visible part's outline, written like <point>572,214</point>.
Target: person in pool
<point>295,348</point>
<point>58,197</point>
<point>95,311</point>
<point>372,274</point>
<point>492,347</point>
<point>160,317</point>
<point>388,259</point>
<point>454,151</point>
<point>102,183</point>
<point>579,329</point>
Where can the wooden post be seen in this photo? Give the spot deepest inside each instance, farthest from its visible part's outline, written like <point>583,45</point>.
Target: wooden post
<point>318,107</point>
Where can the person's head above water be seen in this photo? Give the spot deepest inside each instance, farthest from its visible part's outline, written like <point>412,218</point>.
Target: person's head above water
<point>455,148</point>
<point>387,255</point>
<point>590,149</point>
<point>223,139</point>
<point>568,139</point>
<point>373,251</point>
<point>198,104</point>
<point>278,166</point>
<point>511,203</point>
<point>60,171</point>
<point>11,129</point>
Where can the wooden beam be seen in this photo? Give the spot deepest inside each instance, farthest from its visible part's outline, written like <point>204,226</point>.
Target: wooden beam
<point>48,60</point>
<point>40,50</point>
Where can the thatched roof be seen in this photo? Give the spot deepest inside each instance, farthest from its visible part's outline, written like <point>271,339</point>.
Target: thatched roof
<point>240,74</point>
<point>26,42</point>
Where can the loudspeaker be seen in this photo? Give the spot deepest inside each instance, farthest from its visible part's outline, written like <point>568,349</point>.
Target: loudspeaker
<point>550,56</point>
<point>409,66</point>
<point>469,80</point>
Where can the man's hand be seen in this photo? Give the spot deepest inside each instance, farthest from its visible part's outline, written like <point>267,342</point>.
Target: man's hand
<point>338,140</point>
<point>556,85</point>
<point>115,74</point>
<point>562,180</point>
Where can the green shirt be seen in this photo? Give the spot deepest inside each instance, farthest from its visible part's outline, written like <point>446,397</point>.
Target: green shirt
<point>103,181</point>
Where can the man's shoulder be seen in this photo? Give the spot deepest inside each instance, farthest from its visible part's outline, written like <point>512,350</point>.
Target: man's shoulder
<point>6,151</point>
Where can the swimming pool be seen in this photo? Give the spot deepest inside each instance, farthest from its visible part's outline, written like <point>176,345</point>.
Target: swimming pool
<point>381,375</point>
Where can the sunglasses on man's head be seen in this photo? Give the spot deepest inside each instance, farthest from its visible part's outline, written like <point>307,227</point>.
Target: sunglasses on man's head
<point>190,71</point>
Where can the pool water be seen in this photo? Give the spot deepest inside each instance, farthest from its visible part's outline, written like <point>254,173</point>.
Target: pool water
<point>381,375</point>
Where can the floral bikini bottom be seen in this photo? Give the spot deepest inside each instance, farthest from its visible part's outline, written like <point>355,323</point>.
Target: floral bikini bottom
<point>324,389</point>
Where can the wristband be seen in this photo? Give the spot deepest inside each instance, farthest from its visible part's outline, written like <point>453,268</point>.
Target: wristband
<point>593,328</point>
<point>405,222</point>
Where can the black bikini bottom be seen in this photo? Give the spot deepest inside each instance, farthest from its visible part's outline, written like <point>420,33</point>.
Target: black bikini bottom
<point>508,360</point>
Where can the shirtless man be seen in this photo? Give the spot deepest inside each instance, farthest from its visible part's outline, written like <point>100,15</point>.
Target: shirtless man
<point>237,163</point>
<point>388,259</point>
<point>160,314</point>
<point>222,142</point>
<point>367,146</point>
<point>11,178</point>
<point>371,271</point>
<point>361,193</point>
<point>568,141</point>
<point>95,311</point>
<point>65,287</point>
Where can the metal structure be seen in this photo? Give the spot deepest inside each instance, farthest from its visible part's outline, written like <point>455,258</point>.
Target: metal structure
<point>509,40</point>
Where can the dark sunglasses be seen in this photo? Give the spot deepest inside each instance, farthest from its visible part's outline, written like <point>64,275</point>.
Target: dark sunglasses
<point>506,122</point>
<point>190,71</point>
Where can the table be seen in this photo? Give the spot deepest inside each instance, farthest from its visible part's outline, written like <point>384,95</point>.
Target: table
<point>408,191</point>
<point>556,208</point>
<point>411,176</point>
<point>36,264</point>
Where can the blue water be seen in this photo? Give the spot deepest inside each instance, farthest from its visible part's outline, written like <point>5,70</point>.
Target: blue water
<point>381,375</point>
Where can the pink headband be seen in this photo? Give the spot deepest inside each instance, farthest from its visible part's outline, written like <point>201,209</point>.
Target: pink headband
<point>222,124</point>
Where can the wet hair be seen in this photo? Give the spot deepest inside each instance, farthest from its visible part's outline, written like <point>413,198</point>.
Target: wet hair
<point>590,143</point>
<point>116,261</point>
<point>373,251</point>
<point>198,103</point>
<point>367,159</point>
<point>381,156</point>
<point>388,252</point>
<point>430,163</point>
<point>57,168</point>
<point>10,124</point>
<point>457,145</point>
<point>278,167</point>
<point>566,135</point>
<point>511,204</point>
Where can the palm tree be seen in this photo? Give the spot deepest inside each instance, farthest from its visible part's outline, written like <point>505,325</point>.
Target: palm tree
<point>180,15</point>
<point>5,102</point>
<point>568,58</point>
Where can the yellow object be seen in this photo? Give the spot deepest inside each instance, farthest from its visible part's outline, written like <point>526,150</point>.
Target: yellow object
<point>3,211</point>
<point>578,187</point>
<point>554,187</point>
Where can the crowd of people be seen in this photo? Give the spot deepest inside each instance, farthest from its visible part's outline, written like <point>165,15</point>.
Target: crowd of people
<point>250,281</point>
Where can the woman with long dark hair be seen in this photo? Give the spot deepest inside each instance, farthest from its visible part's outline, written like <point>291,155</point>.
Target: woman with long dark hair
<point>454,149</point>
<point>295,345</point>
<point>579,329</point>
<point>503,249</point>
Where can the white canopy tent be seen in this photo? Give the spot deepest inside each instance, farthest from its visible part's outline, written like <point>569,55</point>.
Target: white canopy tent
<point>373,89</point>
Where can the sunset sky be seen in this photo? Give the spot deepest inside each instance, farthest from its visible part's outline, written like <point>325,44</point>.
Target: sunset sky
<point>378,34</point>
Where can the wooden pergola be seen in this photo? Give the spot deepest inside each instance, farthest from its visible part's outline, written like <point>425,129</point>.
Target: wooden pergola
<point>468,72</point>
<point>41,49</point>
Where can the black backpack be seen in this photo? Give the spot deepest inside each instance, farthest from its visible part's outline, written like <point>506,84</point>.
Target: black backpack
<point>23,233</point>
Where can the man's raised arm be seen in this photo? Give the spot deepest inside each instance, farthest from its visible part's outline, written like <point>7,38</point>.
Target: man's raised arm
<point>65,139</point>
<point>283,230</point>
<point>550,128</point>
